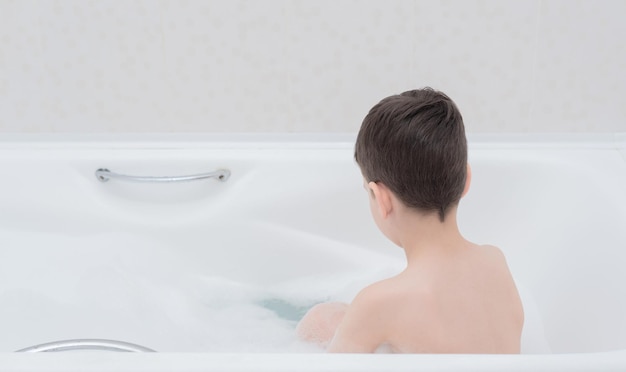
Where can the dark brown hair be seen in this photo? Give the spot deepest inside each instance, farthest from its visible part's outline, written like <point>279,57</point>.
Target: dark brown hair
<point>414,143</point>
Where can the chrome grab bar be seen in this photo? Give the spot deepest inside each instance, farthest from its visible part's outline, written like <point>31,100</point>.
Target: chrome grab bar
<point>103,175</point>
<point>86,344</point>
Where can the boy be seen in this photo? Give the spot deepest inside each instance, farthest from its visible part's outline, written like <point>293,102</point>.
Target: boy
<point>454,296</point>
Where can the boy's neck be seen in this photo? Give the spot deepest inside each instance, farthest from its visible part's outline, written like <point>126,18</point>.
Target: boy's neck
<point>425,236</point>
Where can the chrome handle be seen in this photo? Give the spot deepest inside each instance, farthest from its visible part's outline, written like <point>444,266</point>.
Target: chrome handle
<point>103,175</point>
<point>87,344</point>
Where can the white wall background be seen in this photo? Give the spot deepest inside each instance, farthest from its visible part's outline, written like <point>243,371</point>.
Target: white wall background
<point>307,66</point>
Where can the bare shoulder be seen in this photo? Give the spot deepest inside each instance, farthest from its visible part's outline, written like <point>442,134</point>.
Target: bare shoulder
<point>388,298</point>
<point>492,252</point>
<point>377,294</point>
<point>505,284</point>
<point>362,329</point>
<point>492,260</point>
<point>381,300</point>
<point>492,249</point>
<point>371,318</point>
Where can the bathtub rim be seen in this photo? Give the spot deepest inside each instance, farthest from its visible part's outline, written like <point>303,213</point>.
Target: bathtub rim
<point>602,361</point>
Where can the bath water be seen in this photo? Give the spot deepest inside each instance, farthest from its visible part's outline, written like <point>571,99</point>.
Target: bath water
<point>125,287</point>
<point>121,287</point>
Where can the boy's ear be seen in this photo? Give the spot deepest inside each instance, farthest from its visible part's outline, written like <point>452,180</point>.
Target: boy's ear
<point>468,180</point>
<point>382,197</point>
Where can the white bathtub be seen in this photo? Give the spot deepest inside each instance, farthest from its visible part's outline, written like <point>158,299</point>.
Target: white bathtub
<point>212,275</point>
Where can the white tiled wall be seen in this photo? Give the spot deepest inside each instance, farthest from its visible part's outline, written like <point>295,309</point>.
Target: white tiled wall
<point>307,66</point>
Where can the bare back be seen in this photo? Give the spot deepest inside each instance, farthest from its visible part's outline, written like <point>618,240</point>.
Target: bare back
<point>461,303</point>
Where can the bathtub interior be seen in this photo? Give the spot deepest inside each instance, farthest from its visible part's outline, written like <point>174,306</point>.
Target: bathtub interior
<point>213,267</point>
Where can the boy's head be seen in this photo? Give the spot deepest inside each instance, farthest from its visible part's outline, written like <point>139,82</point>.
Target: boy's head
<point>414,143</point>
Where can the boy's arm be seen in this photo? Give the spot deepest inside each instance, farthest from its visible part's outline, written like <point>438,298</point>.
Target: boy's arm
<point>362,329</point>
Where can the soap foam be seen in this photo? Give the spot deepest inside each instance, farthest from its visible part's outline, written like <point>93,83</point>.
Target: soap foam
<point>239,317</point>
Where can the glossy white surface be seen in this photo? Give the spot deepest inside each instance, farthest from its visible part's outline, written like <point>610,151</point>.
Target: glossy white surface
<point>192,267</point>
